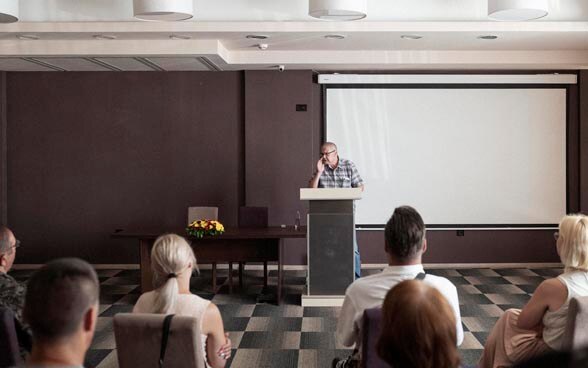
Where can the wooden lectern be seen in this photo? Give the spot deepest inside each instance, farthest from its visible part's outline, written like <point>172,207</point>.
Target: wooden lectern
<point>330,238</point>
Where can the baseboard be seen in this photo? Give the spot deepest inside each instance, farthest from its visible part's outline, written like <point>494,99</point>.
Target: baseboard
<point>367,266</point>
<point>322,300</point>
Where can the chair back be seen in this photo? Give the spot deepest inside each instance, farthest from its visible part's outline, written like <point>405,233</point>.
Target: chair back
<point>576,333</point>
<point>202,213</point>
<point>253,217</point>
<point>9,352</point>
<point>371,328</point>
<point>138,341</point>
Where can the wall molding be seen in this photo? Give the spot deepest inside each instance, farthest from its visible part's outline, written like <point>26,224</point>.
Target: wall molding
<point>259,267</point>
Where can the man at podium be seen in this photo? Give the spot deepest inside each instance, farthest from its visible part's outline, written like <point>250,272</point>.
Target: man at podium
<point>335,172</point>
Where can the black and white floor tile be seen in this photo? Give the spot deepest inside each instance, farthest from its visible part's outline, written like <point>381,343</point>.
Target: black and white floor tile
<point>267,335</point>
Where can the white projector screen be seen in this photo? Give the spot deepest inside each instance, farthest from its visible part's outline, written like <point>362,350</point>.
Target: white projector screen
<point>463,156</point>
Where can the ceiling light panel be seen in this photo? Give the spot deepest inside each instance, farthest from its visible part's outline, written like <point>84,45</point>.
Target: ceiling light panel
<point>517,10</point>
<point>8,11</point>
<point>337,10</point>
<point>163,10</point>
<point>125,63</point>
<point>73,64</point>
<point>21,65</point>
<point>179,63</point>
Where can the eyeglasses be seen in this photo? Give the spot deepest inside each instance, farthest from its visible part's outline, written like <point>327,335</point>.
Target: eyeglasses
<point>327,153</point>
<point>16,245</point>
<point>556,235</point>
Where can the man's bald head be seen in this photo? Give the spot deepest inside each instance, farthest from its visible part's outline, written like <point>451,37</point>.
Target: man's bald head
<point>330,145</point>
<point>6,239</point>
<point>8,244</point>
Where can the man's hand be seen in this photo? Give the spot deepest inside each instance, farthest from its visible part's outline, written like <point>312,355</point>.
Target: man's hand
<point>320,166</point>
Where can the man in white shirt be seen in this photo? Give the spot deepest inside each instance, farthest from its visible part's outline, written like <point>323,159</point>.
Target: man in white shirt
<point>405,245</point>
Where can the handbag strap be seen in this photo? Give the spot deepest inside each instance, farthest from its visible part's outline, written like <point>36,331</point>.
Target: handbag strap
<point>165,335</point>
<point>420,276</point>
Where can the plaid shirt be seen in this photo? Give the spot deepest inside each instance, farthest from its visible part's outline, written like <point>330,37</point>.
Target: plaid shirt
<point>345,175</point>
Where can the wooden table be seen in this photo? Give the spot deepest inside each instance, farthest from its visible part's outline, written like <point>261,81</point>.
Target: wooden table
<point>235,245</point>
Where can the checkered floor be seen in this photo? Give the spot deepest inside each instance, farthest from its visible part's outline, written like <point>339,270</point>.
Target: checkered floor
<point>266,335</point>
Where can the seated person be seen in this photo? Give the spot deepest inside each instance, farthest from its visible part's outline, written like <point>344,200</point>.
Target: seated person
<point>172,261</point>
<point>61,307</point>
<point>12,292</point>
<point>558,359</point>
<point>405,245</point>
<point>418,328</point>
<point>539,327</point>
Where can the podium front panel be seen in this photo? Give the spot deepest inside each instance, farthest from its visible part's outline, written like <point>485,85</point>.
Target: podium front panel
<point>330,253</point>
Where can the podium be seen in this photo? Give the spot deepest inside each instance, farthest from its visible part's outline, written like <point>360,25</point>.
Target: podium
<point>330,238</point>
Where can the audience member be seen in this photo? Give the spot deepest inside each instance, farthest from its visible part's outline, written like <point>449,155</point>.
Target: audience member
<point>405,245</point>
<point>61,308</point>
<point>418,328</point>
<point>12,292</point>
<point>172,261</point>
<point>558,359</point>
<point>539,327</point>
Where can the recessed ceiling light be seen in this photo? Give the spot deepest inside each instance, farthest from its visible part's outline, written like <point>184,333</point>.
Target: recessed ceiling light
<point>256,37</point>
<point>104,37</point>
<point>411,37</point>
<point>335,36</point>
<point>487,37</point>
<point>179,37</point>
<point>27,37</point>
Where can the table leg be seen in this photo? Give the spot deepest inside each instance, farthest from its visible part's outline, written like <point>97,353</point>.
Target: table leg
<point>280,275</point>
<point>214,277</point>
<point>145,265</point>
<point>241,267</point>
<point>265,274</point>
<point>230,277</point>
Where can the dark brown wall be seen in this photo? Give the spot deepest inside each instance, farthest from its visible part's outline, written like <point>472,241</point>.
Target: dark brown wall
<point>583,141</point>
<point>278,146</point>
<point>92,152</point>
<point>3,163</point>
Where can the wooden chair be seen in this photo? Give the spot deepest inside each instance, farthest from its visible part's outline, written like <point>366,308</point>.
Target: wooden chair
<point>253,217</point>
<point>138,341</point>
<point>202,213</point>
<point>370,331</point>
<point>576,333</point>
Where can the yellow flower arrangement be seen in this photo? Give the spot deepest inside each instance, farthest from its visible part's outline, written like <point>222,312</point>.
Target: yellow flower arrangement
<point>200,228</point>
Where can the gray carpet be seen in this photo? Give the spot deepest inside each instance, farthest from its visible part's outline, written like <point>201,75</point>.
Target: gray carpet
<point>266,335</point>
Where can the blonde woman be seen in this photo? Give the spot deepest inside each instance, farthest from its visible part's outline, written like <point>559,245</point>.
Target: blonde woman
<point>172,261</point>
<point>539,327</point>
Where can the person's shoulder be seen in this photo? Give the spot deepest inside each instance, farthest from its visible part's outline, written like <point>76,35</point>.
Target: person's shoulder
<point>364,283</point>
<point>345,161</point>
<point>6,279</point>
<point>440,282</point>
<point>144,303</point>
<point>193,299</point>
<point>9,286</point>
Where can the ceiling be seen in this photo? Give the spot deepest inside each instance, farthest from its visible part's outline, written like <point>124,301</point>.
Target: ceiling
<point>67,33</point>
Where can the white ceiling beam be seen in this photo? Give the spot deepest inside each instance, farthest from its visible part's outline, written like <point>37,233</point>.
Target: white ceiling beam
<point>287,27</point>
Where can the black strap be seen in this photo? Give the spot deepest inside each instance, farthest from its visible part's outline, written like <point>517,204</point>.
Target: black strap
<point>166,326</point>
<point>420,276</point>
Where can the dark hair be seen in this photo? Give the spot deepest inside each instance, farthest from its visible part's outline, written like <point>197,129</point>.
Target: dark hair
<point>404,233</point>
<point>418,328</point>
<point>58,296</point>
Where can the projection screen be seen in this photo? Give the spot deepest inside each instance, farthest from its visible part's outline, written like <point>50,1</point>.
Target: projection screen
<point>460,156</point>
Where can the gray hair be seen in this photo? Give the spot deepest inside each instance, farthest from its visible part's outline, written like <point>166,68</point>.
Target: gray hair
<point>5,239</point>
